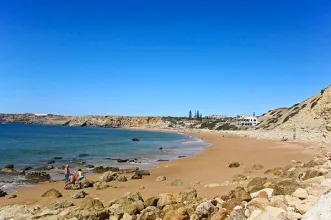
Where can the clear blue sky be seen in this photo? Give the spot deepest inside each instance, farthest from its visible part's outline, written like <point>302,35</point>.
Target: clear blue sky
<point>161,57</point>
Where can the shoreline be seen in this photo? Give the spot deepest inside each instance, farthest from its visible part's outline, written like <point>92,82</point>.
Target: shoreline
<point>186,169</point>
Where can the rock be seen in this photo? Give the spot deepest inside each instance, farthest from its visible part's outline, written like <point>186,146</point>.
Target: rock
<point>315,180</point>
<point>52,193</point>
<point>36,177</point>
<point>194,183</point>
<point>181,157</point>
<point>269,192</point>
<point>240,194</point>
<point>262,195</point>
<point>293,216</point>
<point>160,178</point>
<point>109,176</point>
<point>300,193</point>
<point>131,204</point>
<point>152,201</point>
<point>85,183</point>
<point>211,185</point>
<point>238,178</point>
<point>285,187</point>
<point>143,172</point>
<point>150,213</point>
<point>101,169</point>
<point>311,173</point>
<point>303,207</point>
<point>135,139</point>
<point>12,171</point>
<point>50,161</point>
<point>45,168</point>
<point>188,194</point>
<point>206,210</point>
<point>234,164</point>
<point>129,170</point>
<point>161,160</point>
<point>61,205</point>
<point>220,215</point>
<point>256,184</point>
<point>57,158</point>
<point>160,148</point>
<point>238,213</point>
<point>321,210</point>
<point>167,199</point>
<point>100,185</point>
<point>127,217</point>
<point>83,155</point>
<point>230,204</point>
<point>121,179</point>
<point>80,195</point>
<point>75,186</point>
<point>89,166</point>
<point>26,168</point>
<point>254,214</point>
<point>176,182</point>
<point>275,171</point>
<point>90,203</point>
<point>180,213</point>
<point>122,160</point>
<point>2,193</point>
<point>136,176</point>
<point>310,164</point>
<point>12,196</point>
<point>9,166</point>
<point>272,213</point>
<point>257,167</point>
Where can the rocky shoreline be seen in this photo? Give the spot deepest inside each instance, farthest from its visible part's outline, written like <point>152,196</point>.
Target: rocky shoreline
<point>288,192</point>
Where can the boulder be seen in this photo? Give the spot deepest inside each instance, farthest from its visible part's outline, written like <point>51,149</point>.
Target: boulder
<point>36,177</point>
<point>121,179</point>
<point>100,185</point>
<point>150,213</point>
<point>57,158</point>
<point>45,168</point>
<point>285,187</point>
<point>275,171</point>
<point>240,194</point>
<point>238,213</point>
<point>52,193</point>
<point>230,204</point>
<point>143,172</point>
<point>167,199</point>
<point>272,213</point>
<point>257,167</point>
<point>75,186</point>
<point>131,204</point>
<point>51,162</point>
<point>109,176</point>
<point>12,171</point>
<point>256,184</point>
<point>176,182</point>
<point>262,195</point>
<point>152,201</point>
<point>102,169</point>
<point>238,178</point>
<point>89,166</point>
<point>315,180</point>
<point>300,193</point>
<point>61,205</point>
<point>80,195</point>
<point>122,160</point>
<point>293,216</point>
<point>188,194</point>
<point>135,139</point>
<point>310,164</point>
<point>234,164</point>
<point>206,210</point>
<point>85,183</point>
<point>269,192</point>
<point>311,174</point>
<point>92,204</point>
<point>160,178</point>
<point>2,193</point>
<point>220,215</point>
<point>180,213</point>
<point>136,176</point>
<point>127,217</point>
<point>83,155</point>
<point>9,166</point>
<point>26,168</point>
<point>129,170</point>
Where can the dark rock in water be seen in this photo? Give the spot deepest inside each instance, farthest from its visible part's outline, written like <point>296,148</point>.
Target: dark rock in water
<point>36,177</point>
<point>79,162</point>
<point>27,168</point>
<point>134,160</point>
<point>89,166</point>
<point>160,148</point>
<point>136,176</point>
<point>181,156</point>
<point>2,193</point>
<point>57,158</point>
<point>102,169</point>
<point>50,161</point>
<point>12,171</point>
<point>129,170</point>
<point>122,160</point>
<point>48,167</point>
<point>143,172</point>
<point>83,155</point>
<point>135,139</point>
<point>9,166</point>
<point>80,195</point>
<point>161,160</point>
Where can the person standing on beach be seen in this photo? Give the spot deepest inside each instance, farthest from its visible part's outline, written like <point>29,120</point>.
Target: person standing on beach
<point>66,172</point>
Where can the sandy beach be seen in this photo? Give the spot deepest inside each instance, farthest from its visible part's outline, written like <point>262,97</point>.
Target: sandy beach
<point>209,166</point>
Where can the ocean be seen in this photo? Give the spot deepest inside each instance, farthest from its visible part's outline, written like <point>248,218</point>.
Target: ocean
<point>34,145</point>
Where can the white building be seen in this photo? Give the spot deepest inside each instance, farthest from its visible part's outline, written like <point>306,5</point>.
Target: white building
<point>247,120</point>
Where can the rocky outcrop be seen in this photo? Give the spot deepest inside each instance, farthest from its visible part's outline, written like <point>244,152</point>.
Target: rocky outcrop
<point>52,193</point>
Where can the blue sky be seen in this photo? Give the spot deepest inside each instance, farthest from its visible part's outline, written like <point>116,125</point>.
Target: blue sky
<point>161,57</point>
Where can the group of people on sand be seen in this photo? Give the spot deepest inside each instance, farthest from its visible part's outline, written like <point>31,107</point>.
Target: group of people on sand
<point>71,178</point>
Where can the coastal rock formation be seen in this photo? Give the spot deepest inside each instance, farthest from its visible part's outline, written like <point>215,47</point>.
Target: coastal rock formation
<point>52,193</point>
<point>36,177</point>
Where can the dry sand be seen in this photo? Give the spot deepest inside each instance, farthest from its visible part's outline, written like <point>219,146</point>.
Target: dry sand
<point>209,166</point>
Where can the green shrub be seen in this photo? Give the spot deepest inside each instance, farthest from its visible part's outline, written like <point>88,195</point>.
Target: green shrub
<point>227,127</point>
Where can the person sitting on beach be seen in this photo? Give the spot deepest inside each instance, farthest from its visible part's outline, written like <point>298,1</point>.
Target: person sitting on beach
<point>66,172</point>
<point>80,175</point>
<point>71,180</point>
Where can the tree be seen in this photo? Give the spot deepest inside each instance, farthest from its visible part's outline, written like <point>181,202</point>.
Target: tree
<point>195,114</point>
<point>198,115</point>
<point>190,114</point>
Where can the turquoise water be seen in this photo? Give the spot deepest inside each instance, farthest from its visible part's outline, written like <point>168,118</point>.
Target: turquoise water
<point>33,145</point>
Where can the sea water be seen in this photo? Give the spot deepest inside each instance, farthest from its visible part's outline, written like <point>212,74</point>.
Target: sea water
<point>34,145</point>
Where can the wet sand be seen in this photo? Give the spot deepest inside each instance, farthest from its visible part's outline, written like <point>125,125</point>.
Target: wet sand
<point>209,166</point>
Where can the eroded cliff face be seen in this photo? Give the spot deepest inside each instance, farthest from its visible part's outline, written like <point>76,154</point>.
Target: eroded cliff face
<point>100,121</point>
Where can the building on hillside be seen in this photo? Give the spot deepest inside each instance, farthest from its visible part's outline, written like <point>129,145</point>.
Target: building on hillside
<point>216,116</point>
<point>244,120</point>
